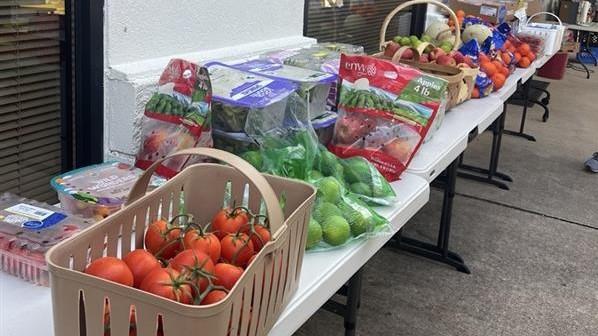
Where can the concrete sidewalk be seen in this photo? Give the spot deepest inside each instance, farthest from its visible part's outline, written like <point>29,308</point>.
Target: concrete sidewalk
<point>533,250</point>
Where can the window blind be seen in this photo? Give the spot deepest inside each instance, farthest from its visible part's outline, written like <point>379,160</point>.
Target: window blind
<point>354,21</point>
<point>30,89</point>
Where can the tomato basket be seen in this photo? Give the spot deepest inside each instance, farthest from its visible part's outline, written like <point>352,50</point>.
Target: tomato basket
<point>251,307</point>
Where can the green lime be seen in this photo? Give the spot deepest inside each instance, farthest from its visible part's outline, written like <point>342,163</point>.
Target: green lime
<point>336,230</point>
<point>314,234</point>
<point>324,210</point>
<point>329,189</point>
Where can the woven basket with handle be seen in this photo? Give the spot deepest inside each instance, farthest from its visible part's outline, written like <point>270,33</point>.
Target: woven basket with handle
<point>251,307</point>
<point>461,80</point>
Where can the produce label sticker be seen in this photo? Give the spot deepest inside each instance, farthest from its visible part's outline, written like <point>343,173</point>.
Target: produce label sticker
<point>488,11</point>
<point>33,217</point>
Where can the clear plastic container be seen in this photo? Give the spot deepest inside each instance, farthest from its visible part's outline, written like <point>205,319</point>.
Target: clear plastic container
<point>99,190</point>
<point>28,229</point>
<point>314,86</point>
<point>236,143</point>
<point>238,93</point>
<point>324,126</point>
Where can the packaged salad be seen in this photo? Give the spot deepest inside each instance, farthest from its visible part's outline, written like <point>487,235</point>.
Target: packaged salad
<point>176,117</point>
<point>314,86</point>
<point>28,229</point>
<point>238,94</point>
<point>99,190</point>
<point>385,112</point>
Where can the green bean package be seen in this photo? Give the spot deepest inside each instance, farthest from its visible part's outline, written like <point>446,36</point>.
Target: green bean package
<point>176,117</point>
<point>385,112</point>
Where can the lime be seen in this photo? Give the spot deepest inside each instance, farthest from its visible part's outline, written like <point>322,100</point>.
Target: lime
<point>336,230</point>
<point>314,234</point>
<point>325,210</point>
<point>329,189</point>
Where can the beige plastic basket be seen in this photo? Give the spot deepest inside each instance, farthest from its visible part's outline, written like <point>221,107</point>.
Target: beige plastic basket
<point>252,306</point>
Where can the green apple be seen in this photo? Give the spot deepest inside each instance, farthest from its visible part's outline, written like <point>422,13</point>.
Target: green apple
<point>405,41</point>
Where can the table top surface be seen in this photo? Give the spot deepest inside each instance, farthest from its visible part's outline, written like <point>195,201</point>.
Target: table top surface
<point>323,273</point>
<point>592,27</point>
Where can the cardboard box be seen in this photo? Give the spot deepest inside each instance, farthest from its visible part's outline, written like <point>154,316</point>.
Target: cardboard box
<point>570,47</point>
<point>493,12</point>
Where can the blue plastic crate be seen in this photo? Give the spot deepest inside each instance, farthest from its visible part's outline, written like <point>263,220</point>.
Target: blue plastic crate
<point>587,59</point>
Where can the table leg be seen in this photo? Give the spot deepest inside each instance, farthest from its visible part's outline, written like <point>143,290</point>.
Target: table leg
<point>352,291</point>
<point>526,88</point>
<point>439,251</point>
<point>492,172</point>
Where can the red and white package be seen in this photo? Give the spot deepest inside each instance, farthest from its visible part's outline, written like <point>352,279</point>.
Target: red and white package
<point>176,117</point>
<point>385,111</point>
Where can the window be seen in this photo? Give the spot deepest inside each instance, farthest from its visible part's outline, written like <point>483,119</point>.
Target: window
<point>30,97</point>
<point>354,21</point>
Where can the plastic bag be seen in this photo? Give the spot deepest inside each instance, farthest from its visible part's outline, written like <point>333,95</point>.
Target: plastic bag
<point>385,112</point>
<point>293,151</point>
<point>176,117</point>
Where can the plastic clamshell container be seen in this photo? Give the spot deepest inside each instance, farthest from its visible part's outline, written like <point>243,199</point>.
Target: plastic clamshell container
<point>314,86</point>
<point>97,191</point>
<point>238,93</point>
<point>251,307</point>
<point>236,143</point>
<point>324,126</point>
<point>28,229</point>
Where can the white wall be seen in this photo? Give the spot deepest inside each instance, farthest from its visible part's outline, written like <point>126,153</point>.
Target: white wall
<point>141,36</point>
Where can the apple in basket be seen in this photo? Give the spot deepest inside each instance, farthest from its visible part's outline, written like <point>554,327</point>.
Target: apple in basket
<point>391,48</point>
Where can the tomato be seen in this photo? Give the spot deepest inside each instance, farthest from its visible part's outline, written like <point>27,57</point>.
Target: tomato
<point>141,262</point>
<point>229,221</point>
<point>163,240</point>
<point>168,283</point>
<point>214,296</point>
<point>259,237</point>
<point>227,275</point>
<point>205,242</point>
<point>237,249</point>
<point>112,269</point>
<point>194,265</point>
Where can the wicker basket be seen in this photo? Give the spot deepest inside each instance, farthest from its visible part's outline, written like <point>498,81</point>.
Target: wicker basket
<point>461,80</point>
<point>252,306</point>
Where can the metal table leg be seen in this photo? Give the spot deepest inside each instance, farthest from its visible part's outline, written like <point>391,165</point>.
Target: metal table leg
<point>440,251</point>
<point>349,310</point>
<point>492,172</point>
<point>526,87</point>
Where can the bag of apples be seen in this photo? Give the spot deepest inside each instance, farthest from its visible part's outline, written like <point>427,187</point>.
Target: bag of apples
<point>180,259</point>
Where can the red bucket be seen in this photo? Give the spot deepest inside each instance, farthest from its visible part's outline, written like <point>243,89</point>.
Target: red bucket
<point>555,67</point>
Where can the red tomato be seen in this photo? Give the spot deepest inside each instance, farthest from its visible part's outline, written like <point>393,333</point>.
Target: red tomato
<point>259,237</point>
<point>195,265</point>
<point>112,269</point>
<point>237,249</point>
<point>214,296</point>
<point>168,283</point>
<point>141,262</point>
<point>163,240</point>
<point>229,221</point>
<point>227,275</point>
<point>205,242</point>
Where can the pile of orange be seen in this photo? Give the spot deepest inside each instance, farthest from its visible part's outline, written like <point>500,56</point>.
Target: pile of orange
<point>523,54</point>
<point>496,70</point>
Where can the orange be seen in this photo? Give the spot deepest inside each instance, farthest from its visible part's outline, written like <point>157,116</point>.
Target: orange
<point>475,93</point>
<point>531,56</point>
<point>524,49</point>
<point>505,71</point>
<point>498,64</point>
<point>506,58</point>
<point>524,62</point>
<point>508,44</point>
<point>483,58</point>
<point>489,68</point>
<point>460,13</point>
<point>517,56</point>
<point>498,80</point>
<point>511,49</point>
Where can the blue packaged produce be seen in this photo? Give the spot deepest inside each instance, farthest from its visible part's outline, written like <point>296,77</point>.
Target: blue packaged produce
<point>238,93</point>
<point>314,86</point>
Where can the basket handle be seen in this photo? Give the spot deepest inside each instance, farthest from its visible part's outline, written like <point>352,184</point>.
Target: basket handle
<point>275,216</point>
<point>418,2</point>
<point>544,13</point>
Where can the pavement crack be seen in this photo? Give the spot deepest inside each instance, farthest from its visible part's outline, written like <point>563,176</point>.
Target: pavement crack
<point>533,212</point>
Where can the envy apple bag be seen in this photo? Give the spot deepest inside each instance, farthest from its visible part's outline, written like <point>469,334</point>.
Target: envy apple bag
<point>385,111</point>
